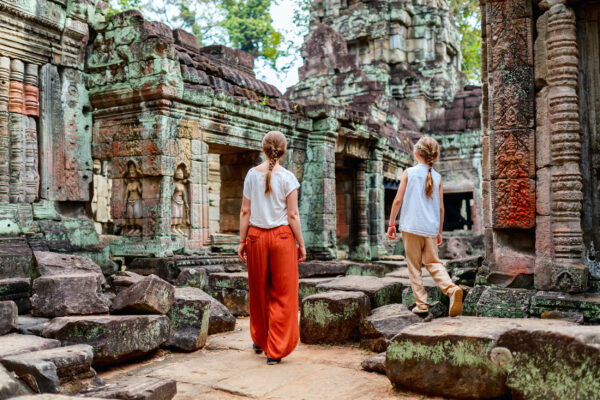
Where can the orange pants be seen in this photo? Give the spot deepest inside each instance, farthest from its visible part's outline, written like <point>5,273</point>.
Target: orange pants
<point>273,282</point>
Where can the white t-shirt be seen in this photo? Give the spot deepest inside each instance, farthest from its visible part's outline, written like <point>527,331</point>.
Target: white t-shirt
<point>269,211</point>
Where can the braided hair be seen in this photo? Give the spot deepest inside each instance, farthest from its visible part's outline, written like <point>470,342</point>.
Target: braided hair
<point>428,149</point>
<point>274,145</point>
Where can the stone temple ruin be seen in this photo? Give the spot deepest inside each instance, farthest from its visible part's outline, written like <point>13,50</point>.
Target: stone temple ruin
<point>124,146</point>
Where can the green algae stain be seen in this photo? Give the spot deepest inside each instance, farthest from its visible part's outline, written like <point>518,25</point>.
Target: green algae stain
<point>320,313</point>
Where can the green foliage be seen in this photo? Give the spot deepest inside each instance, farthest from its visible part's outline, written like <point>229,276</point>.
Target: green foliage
<point>467,16</point>
<point>117,6</point>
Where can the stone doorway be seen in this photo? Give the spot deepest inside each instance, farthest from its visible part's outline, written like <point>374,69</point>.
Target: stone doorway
<point>458,211</point>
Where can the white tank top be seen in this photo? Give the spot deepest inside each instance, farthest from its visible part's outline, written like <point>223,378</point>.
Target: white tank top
<point>269,211</point>
<point>420,215</point>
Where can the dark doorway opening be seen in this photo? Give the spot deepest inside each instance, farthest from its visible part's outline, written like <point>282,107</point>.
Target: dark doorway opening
<point>458,215</point>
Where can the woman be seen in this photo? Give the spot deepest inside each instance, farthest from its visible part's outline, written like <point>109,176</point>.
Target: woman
<point>269,230</point>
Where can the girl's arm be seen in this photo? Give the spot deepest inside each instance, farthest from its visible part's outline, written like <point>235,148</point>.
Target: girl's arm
<point>244,223</point>
<point>439,237</point>
<point>396,205</point>
<point>294,221</point>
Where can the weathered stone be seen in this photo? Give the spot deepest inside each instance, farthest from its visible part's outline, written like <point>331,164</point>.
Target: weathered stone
<point>15,257</point>
<point>47,263</point>
<point>231,289</point>
<point>59,370</point>
<point>552,362</point>
<point>504,302</point>
<point>374,363</point>
<point>17,290</point>
<point>308,286</point>
<point>189,317</point>
<point>332,317</point>
<point>123,279</point>
<point>47,396</point>
<point>310,269</point>
<point>60,295</point>
<point>164,268</point>
<point>471,299</point>
<point>29,325</point>
<point>115,338</point>
<point>379,270</point>
<point>453,357</point>
<point>573,317</point>
<point>134,388</point>
<point>383,324</point>
<point>14,344</point>
<point>464,270</point>
<point>434,293</point>
<point>380,290</point>
<point>150,295</point>
<point>10,385</point>
<point>587,304</point>
<point>8,316</point>
<point>402,273</point>
<point>453,248</point>
<point>437,309</point>
<point>194,277</point>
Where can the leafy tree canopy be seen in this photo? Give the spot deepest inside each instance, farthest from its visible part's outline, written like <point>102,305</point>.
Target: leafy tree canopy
<point>467,16</point>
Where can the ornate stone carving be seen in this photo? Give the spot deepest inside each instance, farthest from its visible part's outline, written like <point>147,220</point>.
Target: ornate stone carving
<point>17,123</point>
<point>179,202</point>
<point>513,203</point>
<point>31,90</point>
<point>514,154</point>
<point>4,82</point>
<point>32,178</point>
<point>133,200</point>
<point>15,94</point>
<point>101,196</point>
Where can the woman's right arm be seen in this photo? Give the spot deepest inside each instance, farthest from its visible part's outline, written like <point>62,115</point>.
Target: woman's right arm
<point>294,221</point>
<point>244,223</point>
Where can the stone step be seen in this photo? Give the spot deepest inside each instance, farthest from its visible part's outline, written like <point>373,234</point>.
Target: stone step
<point>403,273</point>
<point>115,338</point>
<point>15,343</point>
<point>134,388</point>
<point>11,385</point>
<point>379,270</point>
<point>189,316</point>
<point>464,270</point>
<point>48,263</point>
<point>59,370</point>
<point>150,295</point>
<point>29,325</point>
<point>231,289</point>
<point>8,316</point>
<point>587,304</point>
<point>17,290</point>
<point>381,291</point>
<point>461,357</point>
<point>312,269</point>
<point>383,324</point>
<point>67,294</point>
<point>308,286</point>
<point>332,317</point>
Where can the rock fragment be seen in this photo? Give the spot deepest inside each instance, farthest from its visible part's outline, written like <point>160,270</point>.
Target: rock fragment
<point>29,325</point>
<point>123,279</point>
<point>47,263</point>
<point>8,316</point>
<point>375,363</point>
<point>151,295</point>
<point>15,343</point>
<point>194,277</point>
<point>10,385</point>
<point>381,291</point>
<point>189,316</point>
<point>312,269</point>
<point>383,324</point>
<point>231,289</point>
<point>60,295</point>
<point>17,290</point>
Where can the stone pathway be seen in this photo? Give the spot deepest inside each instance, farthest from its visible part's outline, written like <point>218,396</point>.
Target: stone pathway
<point>227,369</point>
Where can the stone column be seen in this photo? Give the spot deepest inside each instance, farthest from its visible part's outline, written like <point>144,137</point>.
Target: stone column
<point>4,135</point>
<point>375,200</point>
<point>17,126</point>
<point>361,250</point>
<point>559,238</point>
<point>317,205</point>
<point>508,141</point>
<point>199,202</point>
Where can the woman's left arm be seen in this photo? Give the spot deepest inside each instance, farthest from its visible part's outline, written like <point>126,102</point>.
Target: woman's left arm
<point>244,223</point>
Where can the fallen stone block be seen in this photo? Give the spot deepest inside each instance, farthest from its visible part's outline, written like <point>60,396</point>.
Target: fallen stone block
<point>463,271</point>
<point>29,325</point>
<point>47,263</point>
<point>17,290</point>
<point>434,293</point>
<point>8,316</point>
<point>362,269</point>
<point>551,362</point>
<point>221,320</point>
<point>383,324</point>
<point>151,295</point>
<point>587,304</point>
<point>451,357</point>
<point>59,370</point>
<point>11,385</point>
<point>332,317</point>
<point>308,286</point>
<point>231,289</point>
<point>134,388</point>
<point>115,338</point>
<point>123,279</point>
<point>471,299</point>
<point>311,269</point>
<point>15,343</point>
<point>60,295</point>
<point>375,363</point>
<point>15,257</point>
<point>189,316</point>
<point>164,268</point>
<point>504,303</point>
<point>437,309</point>
<point>381,291</point>
<point>192,277</point>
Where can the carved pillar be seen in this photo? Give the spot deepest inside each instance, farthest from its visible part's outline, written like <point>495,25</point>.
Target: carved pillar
<point>508,141</point>
<point>199,202</point>
<point>559,238</point>
<point>375,200</point>
<point>362,249</point>
<point>31,90</point>
<point>32,178</point>
<point>17,124</point>
<point>4,135</point>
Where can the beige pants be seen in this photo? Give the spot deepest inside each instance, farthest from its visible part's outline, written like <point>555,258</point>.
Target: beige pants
<point>423,250</point>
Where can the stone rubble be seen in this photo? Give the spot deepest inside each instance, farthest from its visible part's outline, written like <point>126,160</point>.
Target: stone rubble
<point>17,290</point>
<point>123,279</point>
<point>14,344</point>
<point>375,363</point>
<point>383,324</point>
<point>189,316</point>
<point>29,325</point>
<point>9,314</point>
<point>151,295</point>
<point>379,290</point>
<point>231,289</point>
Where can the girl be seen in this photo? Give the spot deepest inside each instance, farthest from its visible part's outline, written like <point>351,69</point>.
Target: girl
<point>421,220</point>
<point>269,230</point>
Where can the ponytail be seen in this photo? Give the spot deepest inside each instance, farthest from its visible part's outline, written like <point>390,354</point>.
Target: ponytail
<point>272,162</point>
<point>429,149</point>
<point>274,144</point>
<point>429,184</point>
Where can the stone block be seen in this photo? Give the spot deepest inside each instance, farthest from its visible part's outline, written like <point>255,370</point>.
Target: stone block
<point>134,388</point>
<point>332,317</point>
<point>17,290</point>
<point>513,203</point>
<point>504,303</point>
<point>15,257</point>
<point>374,363</point>
<point>60,295</point>
<point>29,325</point>
<point>8,316</point>
<point>310,269</point>
<point>47,263</point>
<point>10,385</point>
<point>189,316</point>
<point>15,344</point>
<point>383,324</point>
<point>48,396</point>
<point>123,279</point>
<point>59,370</point>
<point>378,270</point>
<point>464,270</point>
<point>115,338</point>
<point>434,293</point>
<point>587,304</point>
<point>513,154</point>
<point>150,295</point>
<point>574,317</point>
<point>193,277</point>
<point>471,299</point>
<point>543,191</point>
<point>381,291</point>
<point>231,289</point>
<point>454,357</point>
<point>308,287</point>
<point>162,267</point>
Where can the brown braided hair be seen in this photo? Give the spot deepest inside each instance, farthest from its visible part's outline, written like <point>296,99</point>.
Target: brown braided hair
<point>428,149</point>
<point>274,145</point>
